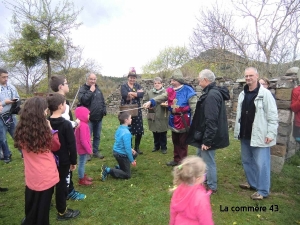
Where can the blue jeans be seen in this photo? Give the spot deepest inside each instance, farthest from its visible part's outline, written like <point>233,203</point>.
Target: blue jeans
<point>95,130</point>
<point>3,130</point>
<point>257,166</point>
<point>208,157</point>
<point>81,165</point>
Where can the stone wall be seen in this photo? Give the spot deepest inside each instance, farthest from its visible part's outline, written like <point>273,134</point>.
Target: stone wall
<point>281,87</point>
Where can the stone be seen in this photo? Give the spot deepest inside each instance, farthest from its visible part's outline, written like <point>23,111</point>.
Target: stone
<point>278,150</point>
<point>284,116</point>
<point>284,129</point>
<point>277,163</point>
<point>284,94</point>
<point>281,104</point>
<point>292,70</point>
<point>282,140</point>
<point>290,153</point>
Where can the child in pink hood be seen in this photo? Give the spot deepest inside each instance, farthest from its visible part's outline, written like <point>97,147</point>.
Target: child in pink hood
<point>83,143</point>
<point>190,203</point>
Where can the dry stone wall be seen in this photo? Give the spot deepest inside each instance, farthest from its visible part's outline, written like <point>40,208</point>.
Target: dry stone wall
<point>281,87</point>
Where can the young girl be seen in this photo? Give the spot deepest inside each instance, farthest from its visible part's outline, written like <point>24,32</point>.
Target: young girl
<point>190,203</point>
<point>83,143</point>
<point>33,136</point>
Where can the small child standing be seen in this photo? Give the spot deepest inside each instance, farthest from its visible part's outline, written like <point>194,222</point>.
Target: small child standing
<point>33,135</point>
<point>190,203</point>
<point>83,143</point>
<point>122,151</point>
<point>67,154</point>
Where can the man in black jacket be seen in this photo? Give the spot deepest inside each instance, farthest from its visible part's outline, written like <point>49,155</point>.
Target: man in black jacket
<point>90,96</point>
<point>209,129</point>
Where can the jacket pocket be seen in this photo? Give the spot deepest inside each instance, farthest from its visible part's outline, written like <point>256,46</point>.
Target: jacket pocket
<point>198,135</point>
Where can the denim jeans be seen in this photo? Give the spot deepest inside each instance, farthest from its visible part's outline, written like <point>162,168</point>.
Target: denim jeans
<point>95,130</point>
<point>257,166</point>
<point>3,130</point>
<point>208,157</point>
<point>81,165</point>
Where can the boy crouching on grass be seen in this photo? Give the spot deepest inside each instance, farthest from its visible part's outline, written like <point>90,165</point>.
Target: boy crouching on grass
<point>122,151</point>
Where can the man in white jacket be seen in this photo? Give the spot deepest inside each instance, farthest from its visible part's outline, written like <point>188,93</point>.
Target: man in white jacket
<point>256,128</point>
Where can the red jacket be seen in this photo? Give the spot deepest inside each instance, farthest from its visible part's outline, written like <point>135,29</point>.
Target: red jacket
<point>295,105</point>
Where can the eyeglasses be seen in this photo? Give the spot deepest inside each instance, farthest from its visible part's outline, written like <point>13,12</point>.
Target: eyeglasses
<point>249,76</point>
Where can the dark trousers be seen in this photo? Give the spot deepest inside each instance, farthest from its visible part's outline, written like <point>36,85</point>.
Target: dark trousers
<point>160,140</point>
<point>124,172</point>
<point>180,147</point>
<point>70,184</point>
<point>61,191</point>
<point>37,206</point>
<point>137,141</point>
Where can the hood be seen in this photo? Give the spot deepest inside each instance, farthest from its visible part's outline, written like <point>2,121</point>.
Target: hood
<point>57,121</point>
<point>222,89</point>
<point>82,114</point>
<point>183,196</point>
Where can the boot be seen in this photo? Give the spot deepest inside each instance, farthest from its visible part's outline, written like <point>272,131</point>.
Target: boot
<point>88,178</point>
<point>84,182</point>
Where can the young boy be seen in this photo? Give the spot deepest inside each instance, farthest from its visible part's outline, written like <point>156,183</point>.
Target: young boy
<point>122,151</point>
<point>67,154</point>
<point>60,85</point>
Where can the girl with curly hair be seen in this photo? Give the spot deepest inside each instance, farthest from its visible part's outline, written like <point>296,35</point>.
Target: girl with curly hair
<point>33,135</point>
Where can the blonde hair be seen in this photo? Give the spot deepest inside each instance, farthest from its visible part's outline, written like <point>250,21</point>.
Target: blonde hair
<point>189,170</point>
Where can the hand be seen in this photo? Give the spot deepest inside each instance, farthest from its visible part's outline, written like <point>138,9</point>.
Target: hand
<point>133,152</point>
<point>72,167</point>
<point>204,147</point>
<point>268,140</point>
<point>141,90</point>
<point>147,105</point>
<point>133,163</point>
<point>92,88</point>
<point>8,101</point>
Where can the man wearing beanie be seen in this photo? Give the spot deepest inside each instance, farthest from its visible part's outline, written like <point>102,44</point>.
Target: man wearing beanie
<point>182,101</point>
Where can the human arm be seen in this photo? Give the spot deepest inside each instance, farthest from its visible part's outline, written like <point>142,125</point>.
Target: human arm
<point>192,103</point>
<point>295,100</point>
<point>271,117</point>
<point>70,143</point>
<point>204,212</point>
<point>85,138</point>
<point>126,138</point>
<point>85,96</point>
<point>173,214</point>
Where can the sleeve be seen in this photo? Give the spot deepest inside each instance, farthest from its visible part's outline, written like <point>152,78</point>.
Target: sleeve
<point>85,96</point>
<point>295,101</point>
<point>173,214</point>
<point>192,103</point>
<point>211,113</point>
<point>15,93</point>
<point>140,94</point>
<point>272,116</point>
<point>127,144</point>
<point>204,212</point>
<point>103,103</point>
<point>71,143</point>
<point>160,98</point>
<point>84,140</point>
<point>124,92</point>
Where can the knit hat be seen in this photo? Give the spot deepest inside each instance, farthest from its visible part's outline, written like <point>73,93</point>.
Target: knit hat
<point>132,72</point>
<point>178,76</point>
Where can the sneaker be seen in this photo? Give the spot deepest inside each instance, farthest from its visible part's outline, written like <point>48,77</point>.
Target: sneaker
<point>7,160</point>
<point>246,186</point>
<point>164,151</point>
<point>256,196</point>
<point>117,167</point>
<point>3,189</point>
<point>76,196</point>
<point>172,163</point>
<point>69,214</point>
<point>98,155</point>
<point>104,174</point>
<point>87,177</point>
<point>84,182</point>
<point>155,150</point>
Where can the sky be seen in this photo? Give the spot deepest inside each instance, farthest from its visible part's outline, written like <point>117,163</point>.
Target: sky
<point>119,34</point>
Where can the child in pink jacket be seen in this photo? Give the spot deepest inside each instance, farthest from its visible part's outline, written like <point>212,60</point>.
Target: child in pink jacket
<point>83,143</point>
<point>190,203</point>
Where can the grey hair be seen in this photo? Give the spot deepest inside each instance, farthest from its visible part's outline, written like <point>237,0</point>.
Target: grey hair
<point>208,74</point>
<point>88,75</point>
<point>252,68</point>
<point>157,79</point>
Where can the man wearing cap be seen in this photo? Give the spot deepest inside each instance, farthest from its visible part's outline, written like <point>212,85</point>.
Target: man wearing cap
<point>91,97</point>
<point>182,101</point>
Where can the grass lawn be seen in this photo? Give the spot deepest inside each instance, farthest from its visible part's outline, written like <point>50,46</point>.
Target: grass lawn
<point>144,199</point>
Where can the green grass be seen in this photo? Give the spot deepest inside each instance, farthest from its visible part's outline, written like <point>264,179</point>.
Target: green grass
<point>144,199</point>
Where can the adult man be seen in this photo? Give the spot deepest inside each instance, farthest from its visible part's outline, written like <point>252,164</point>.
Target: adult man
<point>91,97</point>
<point>181,103</point>
<point>209,129</point>
<point>8,122</point>
<point>256,127</point>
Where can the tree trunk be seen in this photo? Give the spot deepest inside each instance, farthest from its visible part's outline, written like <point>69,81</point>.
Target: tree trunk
<point>49,71</point>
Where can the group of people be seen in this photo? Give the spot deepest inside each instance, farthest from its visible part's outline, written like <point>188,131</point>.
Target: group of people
<point>197,122</point>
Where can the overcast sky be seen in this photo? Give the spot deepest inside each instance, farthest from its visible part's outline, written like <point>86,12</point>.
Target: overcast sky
<point>120,34</point>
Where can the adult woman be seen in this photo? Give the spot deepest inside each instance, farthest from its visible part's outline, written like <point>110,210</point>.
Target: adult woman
<point>131,93</point>
<point>158,118</point>
<point>266,84</point>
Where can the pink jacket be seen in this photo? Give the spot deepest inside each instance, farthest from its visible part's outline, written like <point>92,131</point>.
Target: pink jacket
<point>40,170</point>
<point>190,205</point>
<point>82,132</point>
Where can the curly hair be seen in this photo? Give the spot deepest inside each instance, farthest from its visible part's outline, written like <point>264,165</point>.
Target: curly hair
<point>190,169</point>
<point>33,132</point>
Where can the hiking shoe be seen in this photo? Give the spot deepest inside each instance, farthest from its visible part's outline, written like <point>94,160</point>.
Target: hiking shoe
<point>172,163</point>
<point>256,196</point>
<point>98,155</point>
<point>164,151</point>
<point>76,196</point>
<point>104,173</point>
<point>3,189</point>
<point>69,214</point>
<point>246,186</point>
<point>155,150</point>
